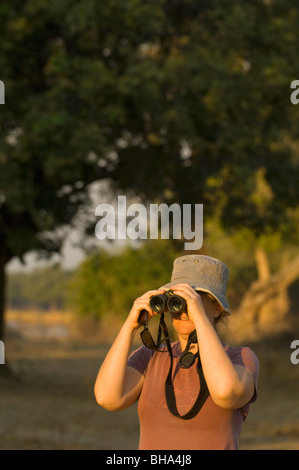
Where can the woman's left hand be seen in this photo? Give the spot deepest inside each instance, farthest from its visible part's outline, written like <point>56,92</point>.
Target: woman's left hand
<point>195,308</point>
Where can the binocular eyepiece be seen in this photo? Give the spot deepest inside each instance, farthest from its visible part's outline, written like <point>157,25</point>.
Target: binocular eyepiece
<point>168,301</point>
<point>162,302</point>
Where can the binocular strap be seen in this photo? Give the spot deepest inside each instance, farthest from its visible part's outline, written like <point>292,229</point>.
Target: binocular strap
<point>169,390</point>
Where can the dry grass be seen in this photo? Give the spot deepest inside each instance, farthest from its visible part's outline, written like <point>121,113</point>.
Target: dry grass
<point>273,422</point>
<point>50,404</point>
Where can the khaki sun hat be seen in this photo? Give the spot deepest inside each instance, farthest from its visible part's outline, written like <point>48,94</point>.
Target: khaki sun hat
<point>203,273</point>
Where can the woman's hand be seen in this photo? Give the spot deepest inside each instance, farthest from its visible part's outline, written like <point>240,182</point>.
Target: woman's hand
<point>142,303</point>
<point>195,307</point>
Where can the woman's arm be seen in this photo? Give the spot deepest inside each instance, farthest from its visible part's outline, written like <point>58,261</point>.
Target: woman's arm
<point>117,385</point>
<point>230,386</point>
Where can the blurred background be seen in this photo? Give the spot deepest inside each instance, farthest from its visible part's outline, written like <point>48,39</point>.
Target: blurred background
<point>165,102</point>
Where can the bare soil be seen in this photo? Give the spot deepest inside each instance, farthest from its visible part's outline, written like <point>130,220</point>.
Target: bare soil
<point>49,403</point>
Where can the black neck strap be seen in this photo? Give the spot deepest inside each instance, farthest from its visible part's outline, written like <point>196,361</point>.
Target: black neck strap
<point>169,390</point>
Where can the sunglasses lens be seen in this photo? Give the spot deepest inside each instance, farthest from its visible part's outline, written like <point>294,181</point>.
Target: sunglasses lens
<point>147,339</point>
<point>143,317</point>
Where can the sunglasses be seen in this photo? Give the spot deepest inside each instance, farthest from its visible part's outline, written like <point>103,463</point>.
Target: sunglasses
<point>148,340</point>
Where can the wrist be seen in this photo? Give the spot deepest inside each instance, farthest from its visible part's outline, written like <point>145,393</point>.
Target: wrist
<point>130,328</point>
<point>202,321</point>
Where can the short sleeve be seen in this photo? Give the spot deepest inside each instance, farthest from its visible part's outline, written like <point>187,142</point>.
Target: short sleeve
<point>140,358</point>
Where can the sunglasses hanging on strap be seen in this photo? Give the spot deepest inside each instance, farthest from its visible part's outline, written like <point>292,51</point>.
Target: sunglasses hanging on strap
<point>146,336</point>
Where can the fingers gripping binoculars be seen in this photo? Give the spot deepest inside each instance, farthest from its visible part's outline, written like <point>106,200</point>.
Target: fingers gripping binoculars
<point>168,301</point>
<point>162,303</point>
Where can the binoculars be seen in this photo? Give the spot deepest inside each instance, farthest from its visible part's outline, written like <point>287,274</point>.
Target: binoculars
<point>167,301</point>
<point>163,302</point>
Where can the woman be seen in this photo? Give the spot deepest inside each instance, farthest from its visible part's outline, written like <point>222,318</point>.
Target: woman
<point>228,374</point>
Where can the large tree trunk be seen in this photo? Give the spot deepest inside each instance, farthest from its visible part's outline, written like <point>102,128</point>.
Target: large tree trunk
<point>265,305</point>
<point>2,294</point>
<point>5,370</point>
<point>262,263</point>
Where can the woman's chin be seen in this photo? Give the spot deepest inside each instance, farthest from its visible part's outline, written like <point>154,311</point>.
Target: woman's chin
<point>183,326</point>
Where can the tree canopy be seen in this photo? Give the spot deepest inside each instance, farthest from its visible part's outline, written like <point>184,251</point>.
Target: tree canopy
<point>175,101</point>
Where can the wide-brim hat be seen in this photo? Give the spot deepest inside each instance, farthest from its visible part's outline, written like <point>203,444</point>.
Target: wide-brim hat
<point>203,273</point>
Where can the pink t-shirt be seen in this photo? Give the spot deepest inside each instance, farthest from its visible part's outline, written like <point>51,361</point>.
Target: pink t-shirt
<point>212,428</point>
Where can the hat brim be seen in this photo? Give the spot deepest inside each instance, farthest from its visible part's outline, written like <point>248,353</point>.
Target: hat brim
<point>198,286</point>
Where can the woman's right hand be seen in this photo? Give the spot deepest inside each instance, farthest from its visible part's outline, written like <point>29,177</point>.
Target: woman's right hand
<point>142,303</point>
<point>119,385</point>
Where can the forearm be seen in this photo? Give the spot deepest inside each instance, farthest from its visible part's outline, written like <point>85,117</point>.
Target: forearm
<point>223,380</point>
<point>118,386</point>
<point>109,386</point>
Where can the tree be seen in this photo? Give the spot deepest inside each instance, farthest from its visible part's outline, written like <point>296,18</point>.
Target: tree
<point>263,307</point>
<point>50,132</point>
<point>172,100</point>
<point>229,132</point>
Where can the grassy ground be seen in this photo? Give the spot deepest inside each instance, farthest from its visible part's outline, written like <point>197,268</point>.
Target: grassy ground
<point>273,421</point>
<point>50,404</point>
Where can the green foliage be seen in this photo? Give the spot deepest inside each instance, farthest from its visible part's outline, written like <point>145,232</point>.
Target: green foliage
<point>109,283</point>
<point>117,90</point>
<point>139,79</point>
<point>220,80</point>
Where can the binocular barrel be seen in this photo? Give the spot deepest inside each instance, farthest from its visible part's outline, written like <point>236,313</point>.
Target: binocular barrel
<point>168,301</point>
<point>163,302</point>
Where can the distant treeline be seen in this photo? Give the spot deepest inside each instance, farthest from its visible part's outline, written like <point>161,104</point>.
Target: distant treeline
<point>43,288</point>
<point>108,283</point>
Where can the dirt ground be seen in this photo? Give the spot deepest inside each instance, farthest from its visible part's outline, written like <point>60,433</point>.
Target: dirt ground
<point>50,402</point>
